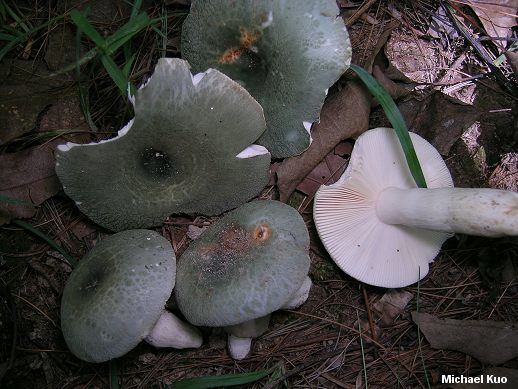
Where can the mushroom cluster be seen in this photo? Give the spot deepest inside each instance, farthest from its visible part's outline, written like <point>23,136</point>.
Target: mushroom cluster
<point>383,230</point>
<point>191,149</point>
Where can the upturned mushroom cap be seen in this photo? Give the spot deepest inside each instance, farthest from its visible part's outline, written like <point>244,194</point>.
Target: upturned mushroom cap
<point>345,212</point>
<point>286,53</point>
<point>187,150</point>
<point>116,294</point>
<point>245,266</point>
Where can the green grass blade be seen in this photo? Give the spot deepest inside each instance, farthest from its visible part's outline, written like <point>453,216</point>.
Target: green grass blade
<point>7,37</point>
<point>115,372</point>
<point>136,8</point>
<point>220,381</point>
<point>46,238</point>
<point>363,352</point>
<point>10,200</point>
<point>128,31</point>
<point>395,117</point>
<point>126,69</point>
<point>84,25</point>
<point>116,74</point>
<point>24,36</point>
<point>16,18</point>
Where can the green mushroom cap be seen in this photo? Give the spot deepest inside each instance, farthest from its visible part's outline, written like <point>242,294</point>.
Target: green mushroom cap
<point>116,294</point>
<point>189,149</point>
<point>245,266</point>
<point>286,53</point>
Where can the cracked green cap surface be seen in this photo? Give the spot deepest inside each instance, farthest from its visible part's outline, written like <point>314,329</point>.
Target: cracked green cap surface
<point>286,53</point>
<point>183,152</point>
<point>245,266</point>
<point>116,294</point>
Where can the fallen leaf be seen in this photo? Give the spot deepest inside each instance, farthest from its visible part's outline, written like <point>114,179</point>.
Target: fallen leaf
<point>21,80</point>
<point>194,232</point>
<point>441,25</point>
<point>498,18</point>
<point>414,59</point>
<point>505,175</point>
<point>61,48</point>
<point>439,118</point>
<point>344,115</point>
<point>391,304</point>
<point>28,176</point>
<point>325,173</point>
<point>492,373</point>
<point>395,90</point>
<point>488,341</point>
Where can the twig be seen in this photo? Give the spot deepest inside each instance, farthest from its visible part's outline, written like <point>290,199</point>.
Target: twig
<point>354,17</point>
<point>369,313</point>
<point>304,366</point>
<point>481,51</point>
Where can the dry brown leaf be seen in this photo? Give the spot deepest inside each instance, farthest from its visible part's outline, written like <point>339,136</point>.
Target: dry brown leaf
<point>439,118</point>
<point>29,176</point>
<point>488,341</point>
<point>498,18</point>
<point>344,115</point>
<point>412,59</point>
<point>327,172</point>
<point>391,304</point>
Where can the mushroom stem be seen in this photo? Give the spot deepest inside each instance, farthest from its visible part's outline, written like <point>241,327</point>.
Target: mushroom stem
<point>240,335</point>
<point>482,212</point>
<point>300,296</point>
<point>169,331</point>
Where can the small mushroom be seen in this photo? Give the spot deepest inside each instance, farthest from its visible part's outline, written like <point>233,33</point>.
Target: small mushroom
<point>247,265</point>
<point>189,149</point>
<point>383,230</point>
<point>115,298</point>
<point>286,53</point>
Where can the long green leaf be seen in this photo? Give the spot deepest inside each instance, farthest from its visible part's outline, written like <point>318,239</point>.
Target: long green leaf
<point>220,381</point>
<point>116,74</point>
<point>128,31</point>
<point>84,25</point>
<point>23,37</point>
<point>395,117</point>
<point>46,238</point>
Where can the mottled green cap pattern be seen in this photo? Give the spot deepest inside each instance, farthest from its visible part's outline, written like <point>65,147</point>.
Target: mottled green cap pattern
<point>116,294</point>
<point>246,265</point>
<point>286,53</point>
<point>178,155</point>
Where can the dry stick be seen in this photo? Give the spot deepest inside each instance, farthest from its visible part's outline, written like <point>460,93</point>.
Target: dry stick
<point>340,325</point>
<point>304,366</point>
<point>359,13</point>
<point>369,313</point>
<point>481,51</point>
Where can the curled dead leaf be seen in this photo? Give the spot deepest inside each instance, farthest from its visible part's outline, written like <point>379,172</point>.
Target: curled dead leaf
<point>496,342</point>
<point>344,115</point>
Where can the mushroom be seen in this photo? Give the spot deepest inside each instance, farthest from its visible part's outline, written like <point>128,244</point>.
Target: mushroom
<point>286,53</point>
<point>245,266</point>
<point>383,230</point>
<point>115,298</point>
<point>189,149</point>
